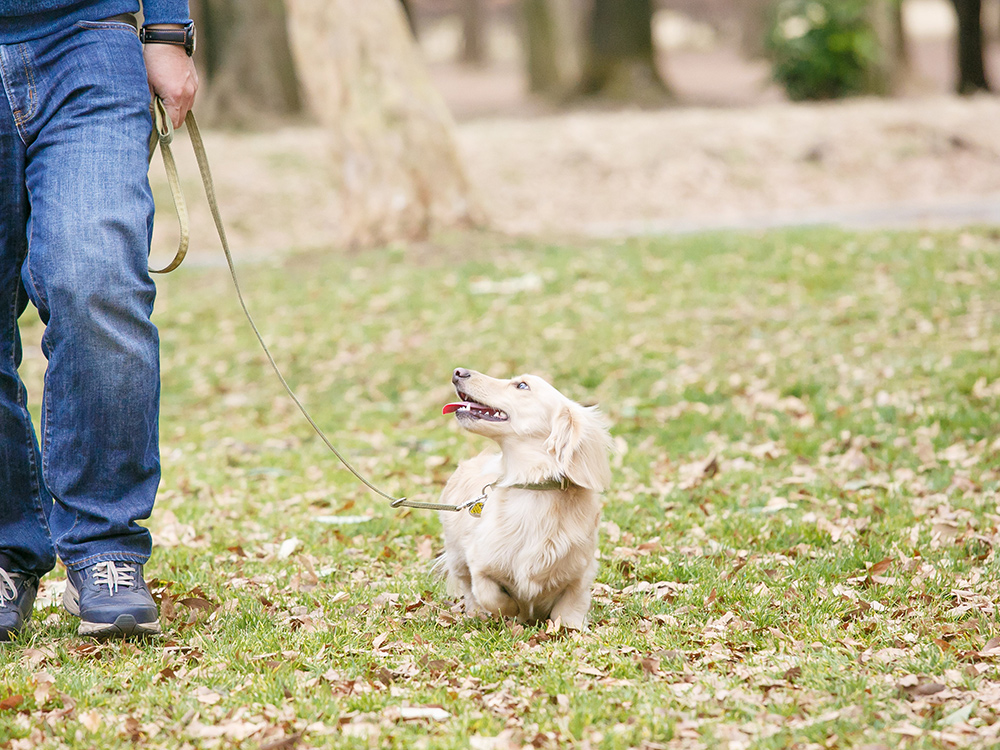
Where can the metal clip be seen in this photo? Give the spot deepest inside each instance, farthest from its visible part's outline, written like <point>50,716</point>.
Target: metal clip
<point>475,505</point>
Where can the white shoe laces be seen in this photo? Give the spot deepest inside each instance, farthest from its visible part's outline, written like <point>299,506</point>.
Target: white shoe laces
<point>8,589</point>
<point>113,575</point>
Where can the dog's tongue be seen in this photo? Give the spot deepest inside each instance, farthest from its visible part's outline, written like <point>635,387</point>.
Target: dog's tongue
<point>449,408</point>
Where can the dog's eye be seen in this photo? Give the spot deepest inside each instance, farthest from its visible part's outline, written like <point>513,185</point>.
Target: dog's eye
<point>522,386</point>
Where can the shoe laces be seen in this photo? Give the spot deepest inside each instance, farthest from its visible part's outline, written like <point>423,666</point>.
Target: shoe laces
<point>113,575</point>
<point>8,589</point>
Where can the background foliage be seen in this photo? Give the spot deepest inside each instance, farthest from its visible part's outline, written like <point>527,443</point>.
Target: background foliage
<point>822,49</point>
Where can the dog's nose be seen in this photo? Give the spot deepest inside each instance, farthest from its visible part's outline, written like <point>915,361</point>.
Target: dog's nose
<point>460,374</point>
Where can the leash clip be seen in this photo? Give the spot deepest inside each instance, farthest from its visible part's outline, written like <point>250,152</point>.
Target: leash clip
<point>475,505</point>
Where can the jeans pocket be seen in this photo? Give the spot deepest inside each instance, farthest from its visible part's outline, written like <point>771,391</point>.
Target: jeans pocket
<point>120,25</point>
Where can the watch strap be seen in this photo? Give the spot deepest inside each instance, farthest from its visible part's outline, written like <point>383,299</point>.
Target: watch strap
<point>179,37</point>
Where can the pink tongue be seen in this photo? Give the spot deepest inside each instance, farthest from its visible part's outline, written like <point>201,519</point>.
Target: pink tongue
<point>449,408</point>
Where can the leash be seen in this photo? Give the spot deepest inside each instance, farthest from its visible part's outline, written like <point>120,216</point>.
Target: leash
<point>163,134</point>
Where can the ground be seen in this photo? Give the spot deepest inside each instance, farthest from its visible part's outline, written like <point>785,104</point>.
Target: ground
<point>798,549</point>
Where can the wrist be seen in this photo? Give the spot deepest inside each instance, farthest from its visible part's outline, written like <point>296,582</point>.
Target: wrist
<point>178,35</point>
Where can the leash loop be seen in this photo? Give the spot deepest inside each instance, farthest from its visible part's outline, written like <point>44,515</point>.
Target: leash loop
<point>164,126</point>
<point>163,134</point>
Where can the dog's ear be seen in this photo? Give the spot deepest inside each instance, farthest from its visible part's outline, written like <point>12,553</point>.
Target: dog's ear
<point>580,443</point>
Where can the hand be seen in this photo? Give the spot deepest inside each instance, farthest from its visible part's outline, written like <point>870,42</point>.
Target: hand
<point>172,76</point>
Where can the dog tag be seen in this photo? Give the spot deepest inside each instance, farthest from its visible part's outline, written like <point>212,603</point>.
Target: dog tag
<point>476,509</point>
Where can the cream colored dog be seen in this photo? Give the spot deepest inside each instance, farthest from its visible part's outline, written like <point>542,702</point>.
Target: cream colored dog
<point>530,552</point>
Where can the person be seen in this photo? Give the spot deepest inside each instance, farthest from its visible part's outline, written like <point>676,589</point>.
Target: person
<point>76,216</point>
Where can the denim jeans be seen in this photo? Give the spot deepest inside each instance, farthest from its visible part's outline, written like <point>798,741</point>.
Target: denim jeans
<point>76,217</point>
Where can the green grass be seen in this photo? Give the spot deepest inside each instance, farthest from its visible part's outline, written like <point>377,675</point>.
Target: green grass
<point>848,385</point>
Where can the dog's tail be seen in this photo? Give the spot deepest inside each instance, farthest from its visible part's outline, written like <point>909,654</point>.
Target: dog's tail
<point>440,565</point>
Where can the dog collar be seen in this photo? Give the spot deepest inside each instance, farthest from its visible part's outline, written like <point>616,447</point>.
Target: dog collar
<point>557,483</point>
<point>475,506</point>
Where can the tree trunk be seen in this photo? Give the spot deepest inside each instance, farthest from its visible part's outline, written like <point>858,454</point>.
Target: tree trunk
<point>971,68</point>
<point>621,60</point>
<point>540,47</point>
<point>249,74</point>
<point>411,18</point>
<point>889,71</point>
<point>473,32</point>
<point>753,22</point>
<point>899,29</point>
<point>552,40</point>
<point>392,141</point>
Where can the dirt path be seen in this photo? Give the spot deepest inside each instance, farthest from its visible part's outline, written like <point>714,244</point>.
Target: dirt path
<point>857,163</point>
<point>909,161</point>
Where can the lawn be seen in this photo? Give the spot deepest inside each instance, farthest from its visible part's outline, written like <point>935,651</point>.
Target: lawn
<point>798,550</point>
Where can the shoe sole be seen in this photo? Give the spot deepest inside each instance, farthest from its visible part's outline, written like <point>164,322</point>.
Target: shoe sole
<point>124,626</point>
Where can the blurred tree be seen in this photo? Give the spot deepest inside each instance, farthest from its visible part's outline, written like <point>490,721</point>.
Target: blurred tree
<point>392,137</point>
<point>410,15</point>
<point>246,62</point>
<point>540,47</point>
<point>971,68</point>
<point>620,60</point>
<point>753,22</point>
<point>901,47</point>
<point>552,42</point>
<point>474,46</point>
<point>889,68</point>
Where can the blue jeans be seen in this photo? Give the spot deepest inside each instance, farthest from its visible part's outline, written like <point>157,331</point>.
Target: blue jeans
<point>76,216</point>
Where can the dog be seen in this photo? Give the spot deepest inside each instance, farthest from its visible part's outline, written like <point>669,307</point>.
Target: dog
<point>524,543</point>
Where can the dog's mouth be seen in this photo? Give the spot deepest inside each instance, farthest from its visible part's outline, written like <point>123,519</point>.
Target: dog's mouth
<point>472,409</point>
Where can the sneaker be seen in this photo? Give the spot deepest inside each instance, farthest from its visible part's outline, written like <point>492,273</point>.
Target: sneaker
<point>17,597</point>
<point>112,600</point>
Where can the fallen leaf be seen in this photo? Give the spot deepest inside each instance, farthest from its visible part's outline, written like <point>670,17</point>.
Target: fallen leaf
<point>288,547</point>
<point>285,743</point>
<point>91,720</point>
<point>425,548</point>
<point>434,713</point>
<point>880,567</point>
<point>927,688</point>
<point>650,665</point>
<point>959,716</point>
<point>198,603</point>
<point>207,696</point>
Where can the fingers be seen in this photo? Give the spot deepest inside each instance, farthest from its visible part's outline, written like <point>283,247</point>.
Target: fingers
<point>172,76</point>
<point>178,111</point>
<point>178,103</point>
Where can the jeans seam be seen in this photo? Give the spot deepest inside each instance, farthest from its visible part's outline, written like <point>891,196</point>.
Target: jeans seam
<point>32,91</point>
<point>21,393</point>
<point>29,443</point>
<point>15,112</point>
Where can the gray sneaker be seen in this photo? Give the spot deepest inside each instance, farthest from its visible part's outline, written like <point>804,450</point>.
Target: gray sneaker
<point>17,598</point>
<point>112,600</point>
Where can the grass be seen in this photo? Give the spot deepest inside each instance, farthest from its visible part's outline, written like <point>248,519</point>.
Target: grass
<point>798,550</point>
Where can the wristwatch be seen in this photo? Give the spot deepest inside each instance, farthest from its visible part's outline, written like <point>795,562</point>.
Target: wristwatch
<point>183,37</point>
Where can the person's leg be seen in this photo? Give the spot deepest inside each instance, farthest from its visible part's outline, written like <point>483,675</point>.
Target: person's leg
<point>86,272</point>
<point>26,549</point>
